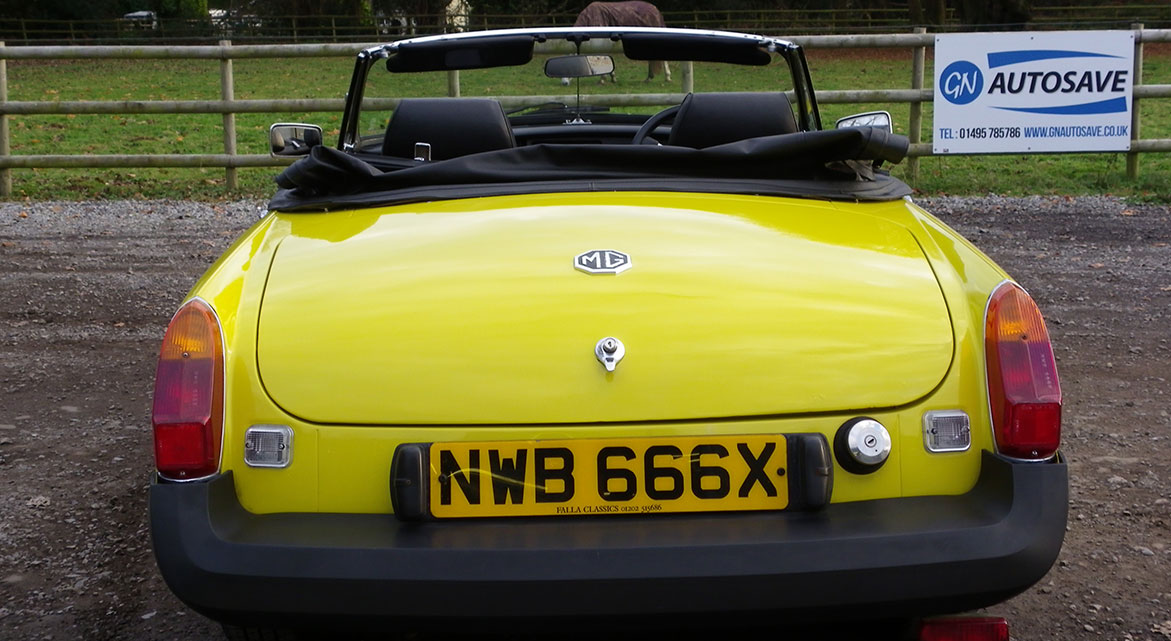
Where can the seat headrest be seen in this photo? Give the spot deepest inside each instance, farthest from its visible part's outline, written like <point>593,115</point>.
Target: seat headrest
<point>452,126</point>
<point>710,119</point>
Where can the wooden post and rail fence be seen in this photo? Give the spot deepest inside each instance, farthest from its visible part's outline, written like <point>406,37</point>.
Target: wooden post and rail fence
<point>915,95</point>
<point>244,27</point>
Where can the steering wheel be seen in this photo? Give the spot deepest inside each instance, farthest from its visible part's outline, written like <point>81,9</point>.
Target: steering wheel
<point>652,122</point>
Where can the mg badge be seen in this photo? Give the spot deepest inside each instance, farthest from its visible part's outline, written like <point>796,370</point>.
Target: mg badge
<point>602,261</point>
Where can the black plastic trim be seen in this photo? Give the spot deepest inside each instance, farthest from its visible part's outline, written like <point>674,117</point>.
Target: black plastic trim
<point>893,557</point>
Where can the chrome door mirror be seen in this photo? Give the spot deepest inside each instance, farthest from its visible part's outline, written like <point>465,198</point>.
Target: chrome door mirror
<point>578,66</point>
<point>292,139</point>
<point>880,119</point>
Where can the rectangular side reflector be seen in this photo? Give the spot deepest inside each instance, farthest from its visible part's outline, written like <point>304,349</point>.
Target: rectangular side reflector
<point>947,431</point>
<point>268,446</point>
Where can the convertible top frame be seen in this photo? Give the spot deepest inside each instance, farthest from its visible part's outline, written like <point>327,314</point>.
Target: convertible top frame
<point>653,43</point>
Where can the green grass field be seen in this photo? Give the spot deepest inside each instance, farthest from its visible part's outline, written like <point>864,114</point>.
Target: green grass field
<point>328,78</point>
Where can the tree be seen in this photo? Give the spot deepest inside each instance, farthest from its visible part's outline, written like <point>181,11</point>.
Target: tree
<point>928,12</point>
<point>183,9</point>
<point>995,12</point>
<point>69,9</point>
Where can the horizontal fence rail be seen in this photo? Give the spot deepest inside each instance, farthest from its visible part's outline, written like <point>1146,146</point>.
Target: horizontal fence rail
<point>227,106</point>
<point>241,26</point>
<point>344,28</point>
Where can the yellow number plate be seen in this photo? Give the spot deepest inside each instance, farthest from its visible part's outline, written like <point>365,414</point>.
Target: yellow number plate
<point>608,476</point>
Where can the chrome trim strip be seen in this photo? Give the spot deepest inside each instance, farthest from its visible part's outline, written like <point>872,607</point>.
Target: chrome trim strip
<point>602,32</point>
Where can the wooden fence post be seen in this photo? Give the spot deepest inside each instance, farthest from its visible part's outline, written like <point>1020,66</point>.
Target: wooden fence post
<point>915,126</point>
<point>228,93</point>
<point>1135,122</point>
<point>453,83</point>
<point>5,174</point>
<point>688,76</point>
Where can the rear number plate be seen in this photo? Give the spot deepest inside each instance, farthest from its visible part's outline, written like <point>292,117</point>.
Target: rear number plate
<point>608,476</point>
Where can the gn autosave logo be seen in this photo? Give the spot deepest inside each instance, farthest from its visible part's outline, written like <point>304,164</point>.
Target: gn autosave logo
<point>1041,81</point>
<point>961,82</point>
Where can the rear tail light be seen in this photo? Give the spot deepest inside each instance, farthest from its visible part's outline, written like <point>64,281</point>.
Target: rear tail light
<point>964,629</point>
<point>1023,390</point>
<point>189,395</point>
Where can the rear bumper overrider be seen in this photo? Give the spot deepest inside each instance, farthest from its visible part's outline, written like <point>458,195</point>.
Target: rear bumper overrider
<point>889,558</point>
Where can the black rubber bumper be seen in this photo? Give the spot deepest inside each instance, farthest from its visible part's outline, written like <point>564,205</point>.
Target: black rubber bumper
<point>888,558</point>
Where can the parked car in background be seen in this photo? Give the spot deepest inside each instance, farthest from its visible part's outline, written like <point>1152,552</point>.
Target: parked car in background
<point>147,20</point>
<point>528,360</point>
<point>233,24</point>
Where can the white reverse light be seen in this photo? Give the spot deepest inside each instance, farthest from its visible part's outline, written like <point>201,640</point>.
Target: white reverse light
<point>268,446</point>
<point>947,431</point>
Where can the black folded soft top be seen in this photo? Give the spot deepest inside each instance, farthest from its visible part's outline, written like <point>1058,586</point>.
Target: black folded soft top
<point>831,165</point>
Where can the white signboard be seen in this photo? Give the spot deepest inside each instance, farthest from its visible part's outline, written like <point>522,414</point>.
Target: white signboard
<point>1033,92</point>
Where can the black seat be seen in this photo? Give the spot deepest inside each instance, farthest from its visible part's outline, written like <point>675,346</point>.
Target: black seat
<point>710,119</point>
<point>452,126</point>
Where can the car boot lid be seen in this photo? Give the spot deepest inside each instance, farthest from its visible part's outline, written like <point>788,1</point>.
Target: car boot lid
<point>598,308</point>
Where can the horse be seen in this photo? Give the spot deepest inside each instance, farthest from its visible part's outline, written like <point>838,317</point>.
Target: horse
<point>626,14</point>
<point>456,13</point>
<point>401,21</point>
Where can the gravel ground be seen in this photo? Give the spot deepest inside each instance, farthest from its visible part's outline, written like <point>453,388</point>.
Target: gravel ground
<point>87,288</point>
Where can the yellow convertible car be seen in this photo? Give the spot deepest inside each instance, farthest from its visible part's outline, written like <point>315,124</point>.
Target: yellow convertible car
<point>602,357</point>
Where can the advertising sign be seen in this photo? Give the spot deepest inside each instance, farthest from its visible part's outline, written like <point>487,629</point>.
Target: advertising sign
<point>1033,92</point>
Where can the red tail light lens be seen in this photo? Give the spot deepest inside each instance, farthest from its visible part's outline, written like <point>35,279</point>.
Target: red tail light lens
<point>189,395</point>
<point>964,629</point>
<point>1023,389</point>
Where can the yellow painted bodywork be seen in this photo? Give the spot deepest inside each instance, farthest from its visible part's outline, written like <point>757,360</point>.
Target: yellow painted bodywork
<point>791,250</point>
<point>472,312</point>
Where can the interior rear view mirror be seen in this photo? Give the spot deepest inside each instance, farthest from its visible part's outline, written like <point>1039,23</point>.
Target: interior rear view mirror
<point>578,66</point>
